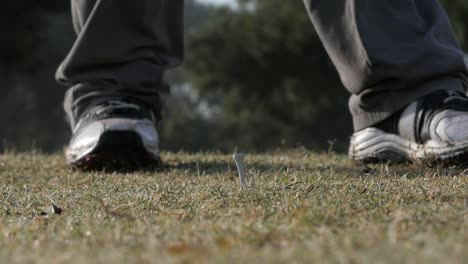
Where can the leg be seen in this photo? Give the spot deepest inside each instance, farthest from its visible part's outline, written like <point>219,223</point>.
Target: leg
<point>115,71</point>
<point>122,49</point>
<point>404,68</point>
<point>388,53</point>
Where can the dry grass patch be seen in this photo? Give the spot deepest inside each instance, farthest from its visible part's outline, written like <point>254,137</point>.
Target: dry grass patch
<point>298,206</point>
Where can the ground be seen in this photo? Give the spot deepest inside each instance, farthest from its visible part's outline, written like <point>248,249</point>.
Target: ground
<point>297,207</point>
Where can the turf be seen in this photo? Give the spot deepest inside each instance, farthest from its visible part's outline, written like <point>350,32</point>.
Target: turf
<point>297,207</point>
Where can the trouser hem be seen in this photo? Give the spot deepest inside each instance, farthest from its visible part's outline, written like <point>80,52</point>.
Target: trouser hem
<point>365,119</point>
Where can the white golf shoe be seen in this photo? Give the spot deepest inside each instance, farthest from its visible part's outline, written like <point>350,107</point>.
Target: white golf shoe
<point>114,135</point>
<point>432,129</point>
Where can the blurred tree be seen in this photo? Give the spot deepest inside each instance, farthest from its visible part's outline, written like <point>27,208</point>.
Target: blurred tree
<point>183,116</point>
<point>26,74</point>
<point>20,24</point>
<point>36,37</point>
<point>264,66</point>
<point>458,13</point>
<point>261,75</point>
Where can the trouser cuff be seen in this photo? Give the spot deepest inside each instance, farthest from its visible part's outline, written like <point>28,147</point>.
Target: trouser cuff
<point>398,101</point>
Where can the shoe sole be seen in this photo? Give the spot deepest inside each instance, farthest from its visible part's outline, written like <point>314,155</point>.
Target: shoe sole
<point>118,151</point>
<point>375,146</point>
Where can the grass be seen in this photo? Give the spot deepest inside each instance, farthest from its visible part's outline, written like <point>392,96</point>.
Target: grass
<point>298,207</point>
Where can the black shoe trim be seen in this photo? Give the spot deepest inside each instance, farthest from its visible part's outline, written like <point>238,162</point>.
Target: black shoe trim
<point>390,124</point>
<point>427,107</point>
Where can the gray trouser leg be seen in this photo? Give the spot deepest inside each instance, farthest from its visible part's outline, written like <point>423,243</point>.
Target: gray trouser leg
<point>388,52</point>
<point>122,49</point>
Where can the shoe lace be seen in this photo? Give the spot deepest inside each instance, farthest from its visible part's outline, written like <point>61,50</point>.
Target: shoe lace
<point>455,95</point>
<point>115,105</point>
<point>115,108</point>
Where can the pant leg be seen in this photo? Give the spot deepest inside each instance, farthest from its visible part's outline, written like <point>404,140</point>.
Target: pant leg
<point>122,49</point>
<point>388,53</point>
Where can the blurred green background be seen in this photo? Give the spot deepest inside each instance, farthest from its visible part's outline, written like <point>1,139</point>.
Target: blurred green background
<point>256,77</point>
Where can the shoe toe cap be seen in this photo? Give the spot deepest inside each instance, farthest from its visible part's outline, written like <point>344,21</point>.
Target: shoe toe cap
<point>84,140</point>
<point>87,138</point>
<point>450,126</point>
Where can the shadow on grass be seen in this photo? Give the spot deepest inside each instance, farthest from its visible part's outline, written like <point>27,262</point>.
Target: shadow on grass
<point>348,169</point>
<point>203,167</point>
